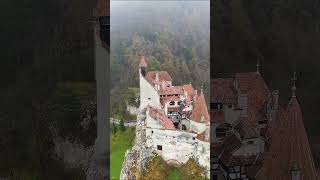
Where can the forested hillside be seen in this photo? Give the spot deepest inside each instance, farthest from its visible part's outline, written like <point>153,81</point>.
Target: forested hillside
<point>285,36</point>
<point>43,44</point>
<point>174,36</point>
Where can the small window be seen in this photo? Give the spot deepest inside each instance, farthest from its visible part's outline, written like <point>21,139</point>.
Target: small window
<point>159,147</point>
<point>184,127</point>
<point>194,138</point>
<point>250,142</point>
<point>151,132</point>
<point>172,103</point>
<point>149,98</point>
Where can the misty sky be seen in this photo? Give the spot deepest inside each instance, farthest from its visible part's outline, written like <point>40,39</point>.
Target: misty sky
<point>131,16</point>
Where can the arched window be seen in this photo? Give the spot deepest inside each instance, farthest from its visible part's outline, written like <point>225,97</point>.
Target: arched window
<point>184,127</point>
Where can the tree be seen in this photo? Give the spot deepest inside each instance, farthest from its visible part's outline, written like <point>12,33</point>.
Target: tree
<point>153,64</point>
<point>114,128</point>
<point>122,127</point>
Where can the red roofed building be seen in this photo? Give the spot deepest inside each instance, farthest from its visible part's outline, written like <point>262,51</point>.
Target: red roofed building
<point>159,79</point>
<point>177,123</point>
<point>159,114</point>
<point>271,142</point>
<point>200,111</point>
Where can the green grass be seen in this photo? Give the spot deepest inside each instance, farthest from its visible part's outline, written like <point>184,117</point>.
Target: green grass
<point>174,174</point>
<point>119,143</point>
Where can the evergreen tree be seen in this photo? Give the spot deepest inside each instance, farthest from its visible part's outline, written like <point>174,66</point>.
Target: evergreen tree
<point>122,127</point>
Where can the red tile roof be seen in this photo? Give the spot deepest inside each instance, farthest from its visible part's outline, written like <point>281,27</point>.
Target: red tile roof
<point>223,90</point>
<point>248,129</point>
<point>289,147</point>
<point>190,92</point>
<point>163,76</point>
<point>171,90</point>
<point>142,62</point>
<point>217,116</point>
<point>230,144</point>
<point>217,148</point>
<point>103,7</point>
<point>200,109</point>
<point>258,95</point>
<point>158,113</point>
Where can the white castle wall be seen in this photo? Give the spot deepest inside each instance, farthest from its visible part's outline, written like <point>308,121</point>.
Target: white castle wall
<point>148,95</point>
<point>197,127</point>
<point>178,146</point>
<point>203,154</point>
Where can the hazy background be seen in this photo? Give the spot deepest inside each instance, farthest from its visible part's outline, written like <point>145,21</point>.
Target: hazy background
<point>174,35</point>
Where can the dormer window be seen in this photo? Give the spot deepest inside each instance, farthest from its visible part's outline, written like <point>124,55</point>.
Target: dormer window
<point>202,118</point>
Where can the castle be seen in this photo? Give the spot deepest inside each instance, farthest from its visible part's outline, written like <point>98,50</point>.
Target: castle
<point>177,123</point>
<point>253,136</point>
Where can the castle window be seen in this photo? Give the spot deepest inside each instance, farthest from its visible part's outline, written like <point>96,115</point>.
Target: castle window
<point>149,98</point>
<point>194,138</point>
<point>179,102</point>
<point>250,142</point>
<point>172,103</point>
<point>159,147</point>
<point>220,132</point>
<point>184,127</point>
<point>151,132</point>
<point>216,105</point>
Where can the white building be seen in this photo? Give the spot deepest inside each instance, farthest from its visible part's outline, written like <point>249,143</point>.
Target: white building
<point>177,123</point>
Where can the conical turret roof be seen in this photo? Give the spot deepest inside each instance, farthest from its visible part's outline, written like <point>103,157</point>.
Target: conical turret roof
<point>290,148</point>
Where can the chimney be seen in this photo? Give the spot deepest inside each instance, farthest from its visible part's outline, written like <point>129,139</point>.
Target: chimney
<point>295,172</point>
<point>275,99</point>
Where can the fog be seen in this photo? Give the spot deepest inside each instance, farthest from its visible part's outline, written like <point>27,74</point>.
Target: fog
<point>128,17</point>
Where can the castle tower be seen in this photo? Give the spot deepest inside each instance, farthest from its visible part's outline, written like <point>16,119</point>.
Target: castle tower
<point>290,156</point>
<point>142,66</point>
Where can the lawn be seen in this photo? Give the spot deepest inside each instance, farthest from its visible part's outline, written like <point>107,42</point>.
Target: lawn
<point>119,143</point>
